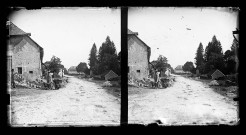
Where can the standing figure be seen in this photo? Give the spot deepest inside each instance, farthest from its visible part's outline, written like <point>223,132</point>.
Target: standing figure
<point>49,80</point>
<point>158,78</point>
<point>47,77</point>
<point>12,79</point>
<point>155,78</point>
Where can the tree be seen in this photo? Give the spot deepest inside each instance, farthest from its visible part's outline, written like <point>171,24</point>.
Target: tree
<point>95,69</point>
<point>160,64</point>
<point>107,47</point>
<point>87,71</point>
<point>213,47</point>
<point>188,66</point>
<point>109,62</point>
<point>214,56</point>
<point>230,62</point>
<point>199,59</point>
<point>54,65</point>
<point>231,58</point>
<point>107,57</point>
<point>235,47</point>
<point>82,67</point>
<point>235,50</point>
<point>65,71</point>
<point>119,57</point>
<point>169,66</point>
<point>93,56</point>
<point>119,62</point>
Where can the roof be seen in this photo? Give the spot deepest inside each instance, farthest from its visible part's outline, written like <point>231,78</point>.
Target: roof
<point>211,72</point>
<point>104,73</point>
<point>16,31</point>
<point>217,72</point>
<point>72,68</point>
<point>129,32</point>
<point>179,67</point>
<point>110,74</point>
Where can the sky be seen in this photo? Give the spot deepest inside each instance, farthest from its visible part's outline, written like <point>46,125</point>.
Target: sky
<point>175,32</point>
<point>69,33</point>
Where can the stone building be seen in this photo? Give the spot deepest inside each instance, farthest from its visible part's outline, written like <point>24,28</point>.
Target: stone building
<point>24,54</point>
<point>138,56</point>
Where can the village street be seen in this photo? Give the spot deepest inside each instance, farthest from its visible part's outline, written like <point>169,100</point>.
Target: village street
<point>80,102</point>
<point>186,102</point>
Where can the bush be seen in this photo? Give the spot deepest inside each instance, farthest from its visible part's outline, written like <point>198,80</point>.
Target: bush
<point>232,77</point>
<point>115,79</point>
<point>221,78</point>
<point>55,75</point>
<point>107,84</point>
<point>119,82</point>
<point>204,77</point>
<point>97,78</point>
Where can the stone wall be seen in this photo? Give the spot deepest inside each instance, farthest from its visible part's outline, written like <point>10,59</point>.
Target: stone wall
<point>137,58</point>
<point>27,56</point>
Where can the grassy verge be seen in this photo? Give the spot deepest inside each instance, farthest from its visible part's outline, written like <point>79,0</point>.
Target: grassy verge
<point>115,91</point>
<point>22,91</point>
<point>230,92</point>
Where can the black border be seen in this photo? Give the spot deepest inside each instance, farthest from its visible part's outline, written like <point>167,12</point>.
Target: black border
<point>124,5</point>
<point>124,63</point>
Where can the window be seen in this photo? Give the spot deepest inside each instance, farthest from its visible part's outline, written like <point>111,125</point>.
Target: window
<point>19,70</point>
<point>31,72</point>
<point>138,71</point>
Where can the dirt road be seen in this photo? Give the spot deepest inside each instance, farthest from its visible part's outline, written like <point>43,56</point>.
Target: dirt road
<point>79,103</point>
<point>186,102</point>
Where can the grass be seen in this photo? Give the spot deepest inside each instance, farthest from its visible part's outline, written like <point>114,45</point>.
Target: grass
<point>141,90</point>
<point>222,90</point>
<point>115,91</point>
<point>22,91</point>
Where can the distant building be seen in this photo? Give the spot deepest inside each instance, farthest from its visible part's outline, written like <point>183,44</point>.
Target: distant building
<point>110,74</point>
<point>72,70</point>
<point>215,74</point>
<point>179,69</point>
<point>138,56</point>
<point>24,54</point>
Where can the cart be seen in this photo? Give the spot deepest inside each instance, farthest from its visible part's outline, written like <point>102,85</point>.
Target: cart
<point>57,83</point>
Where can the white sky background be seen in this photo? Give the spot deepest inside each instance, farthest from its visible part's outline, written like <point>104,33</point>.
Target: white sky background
<point>69,33</point>
<point>165,28</point>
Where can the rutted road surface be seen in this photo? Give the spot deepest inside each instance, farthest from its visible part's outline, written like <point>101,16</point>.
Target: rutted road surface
<point>186,102</point>
<point>79,103</point>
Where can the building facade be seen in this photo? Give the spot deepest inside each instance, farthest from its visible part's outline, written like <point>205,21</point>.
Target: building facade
<point>138,57</point>
<point>24,54</point>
